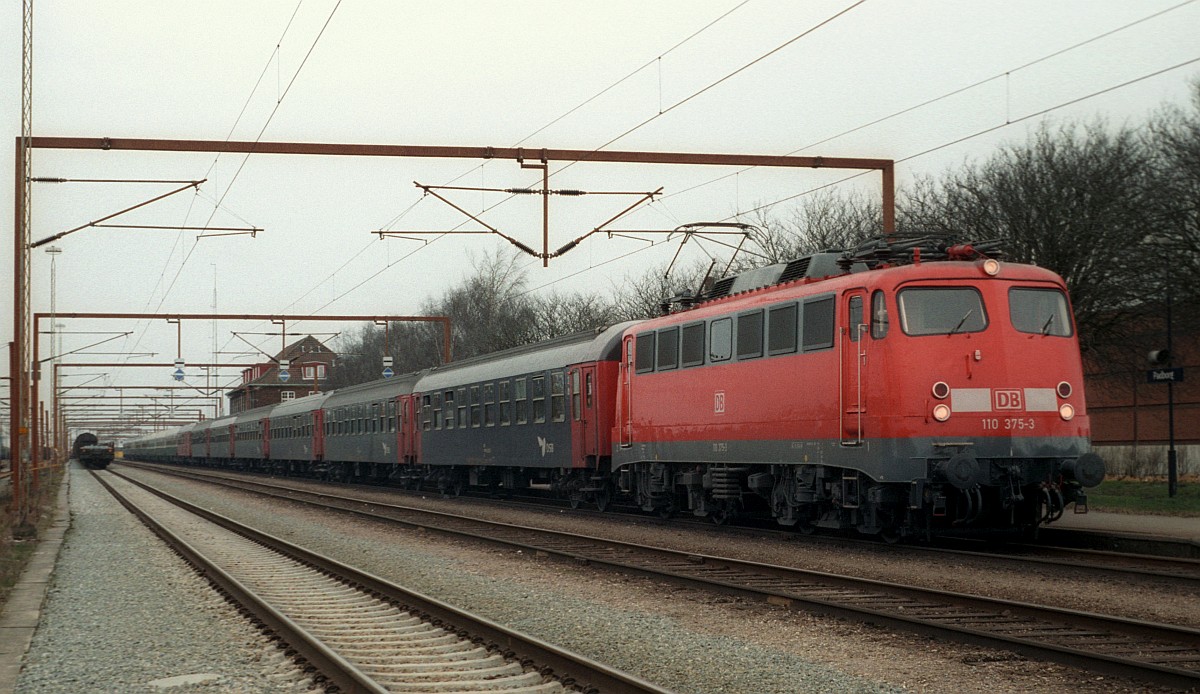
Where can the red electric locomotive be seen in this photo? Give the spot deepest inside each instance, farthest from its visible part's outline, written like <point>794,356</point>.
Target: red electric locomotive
<point>898,390</point>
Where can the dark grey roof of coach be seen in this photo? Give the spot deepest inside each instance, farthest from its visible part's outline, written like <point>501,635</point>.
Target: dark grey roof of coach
<point>541,356</point>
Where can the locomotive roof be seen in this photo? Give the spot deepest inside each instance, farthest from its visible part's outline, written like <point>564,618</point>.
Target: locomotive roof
<point>602,344</point>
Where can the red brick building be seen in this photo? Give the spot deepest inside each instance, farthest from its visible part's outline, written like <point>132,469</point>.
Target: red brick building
<point>310,364</point>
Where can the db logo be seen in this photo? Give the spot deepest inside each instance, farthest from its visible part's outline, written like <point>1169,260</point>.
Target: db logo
<point>719,402</point>
<point>1008,400</point>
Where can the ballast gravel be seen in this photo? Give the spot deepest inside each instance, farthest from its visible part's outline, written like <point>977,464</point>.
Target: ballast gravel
<point>125,614</point>
<point>682,639</point>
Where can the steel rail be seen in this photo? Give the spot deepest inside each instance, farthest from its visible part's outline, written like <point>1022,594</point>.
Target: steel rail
<point>332,666</point>
<point>912,608</point>
<point>570,668</point>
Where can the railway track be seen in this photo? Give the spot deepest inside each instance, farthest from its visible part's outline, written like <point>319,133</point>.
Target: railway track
<point>358,632</point>
<point>1174,563</point>
<point>1163,654</point>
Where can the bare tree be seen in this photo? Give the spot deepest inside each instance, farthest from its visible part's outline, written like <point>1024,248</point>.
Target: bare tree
<point>1072,199</point>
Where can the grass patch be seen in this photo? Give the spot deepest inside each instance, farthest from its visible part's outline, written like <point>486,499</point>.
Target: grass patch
<point>15,555</point>
<point>1146,496</point>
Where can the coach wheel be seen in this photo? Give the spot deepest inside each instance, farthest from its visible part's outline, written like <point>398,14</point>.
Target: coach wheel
<point>806,528</point>
<point>666,511</point>
<point>575,500</point>
<point>602,498</point>
<point>890,535</point>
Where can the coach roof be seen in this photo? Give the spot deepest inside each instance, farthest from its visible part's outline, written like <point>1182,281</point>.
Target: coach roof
<point>602,344</point>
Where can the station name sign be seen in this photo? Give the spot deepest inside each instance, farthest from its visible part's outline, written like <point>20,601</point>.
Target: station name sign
<point>1165,375</point>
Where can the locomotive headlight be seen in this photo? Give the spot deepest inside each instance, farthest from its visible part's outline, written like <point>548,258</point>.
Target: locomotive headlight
<point>1064,390</point>
<point>941,390</point>
<point>991,266</point>
<point>941,412</point>
<point>1066,411</point>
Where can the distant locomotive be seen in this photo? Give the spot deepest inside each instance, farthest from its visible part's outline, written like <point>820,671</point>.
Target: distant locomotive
<point>88,450</point>
<point>910,389</point>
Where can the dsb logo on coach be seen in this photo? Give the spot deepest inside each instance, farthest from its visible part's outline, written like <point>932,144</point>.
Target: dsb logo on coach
<point>1007,400</point>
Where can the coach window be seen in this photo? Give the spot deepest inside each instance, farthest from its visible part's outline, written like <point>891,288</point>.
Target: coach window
<point>437,411</point>
<point>462,408</point>
<point>537,387</point>
<point>519,394</point>
<point>668,349</point>
<point>426,415</point>
<point>692,345</point>
<point>382,418</point>
<point>391,415</point>
<point>750,335</point>
<point>576,410</point>
<point>437,420</point>
<point>489,404</point>
<point>879,316</point>
<point>941,310</point>
<point>856,318</point>
<point>558,401</point>
<point>448,399</point>
<point>720,339</point>
<point>505,404</point>
<point>475,418</point>
<point>781,329</point>
<point>645,353</point>
<point>818,324</point>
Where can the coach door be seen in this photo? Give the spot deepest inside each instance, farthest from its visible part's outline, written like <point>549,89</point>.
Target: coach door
<point>853,360</point>
<point>626,399</point>
<point>585,432</point>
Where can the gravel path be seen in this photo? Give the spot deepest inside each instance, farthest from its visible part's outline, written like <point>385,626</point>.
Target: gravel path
<point>125,614</point>
<point>690,641</point>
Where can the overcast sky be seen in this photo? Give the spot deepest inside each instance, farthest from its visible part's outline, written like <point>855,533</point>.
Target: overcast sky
<point>502,74</point>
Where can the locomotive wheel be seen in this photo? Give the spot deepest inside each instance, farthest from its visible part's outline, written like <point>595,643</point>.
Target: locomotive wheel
<point>576,500</point>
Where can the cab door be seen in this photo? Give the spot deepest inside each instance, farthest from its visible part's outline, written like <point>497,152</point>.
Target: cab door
<point>853,334</point>
<point>625,401</point>
<point>585,424</point>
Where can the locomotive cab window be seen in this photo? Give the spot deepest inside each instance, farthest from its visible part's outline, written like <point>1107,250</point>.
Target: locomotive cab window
<point>645,353</point>
<point>879,316</point>
<point>1039,311</point>
<point>941,310</point>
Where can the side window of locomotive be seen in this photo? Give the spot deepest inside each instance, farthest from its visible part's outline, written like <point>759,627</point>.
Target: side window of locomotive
<point>855,318</point>
<point>750,335</point>
<point>941,310</point>
<point>781,329</point>
<point>558,398</point>
<point>879,316</point>
<point>1039,311</point>
<point>537,387</point>
<point>645,353</point>
<point>505,407</point>
<point>668,349</point>
<point>720,339</point>
<point>692,344</point>
<point>519,398</point>
<point>818,324</point>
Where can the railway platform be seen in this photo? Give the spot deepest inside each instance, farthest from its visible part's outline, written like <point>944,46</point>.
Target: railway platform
<point>1175,527</point>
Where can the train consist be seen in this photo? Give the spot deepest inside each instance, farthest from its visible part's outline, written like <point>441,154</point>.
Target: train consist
<point>899,389</point>
<point>88,450</point>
